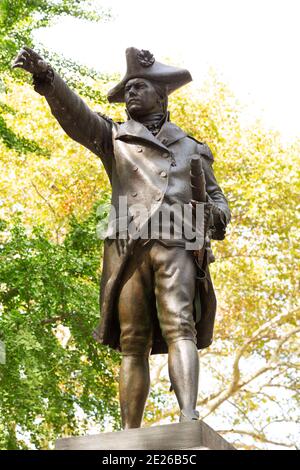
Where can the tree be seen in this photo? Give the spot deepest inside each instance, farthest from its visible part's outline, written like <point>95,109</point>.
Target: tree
<point>249,382</point>
<point>61,180</point>
<point>249,375</point>
<point>56,379</point>
<point>18,20</point>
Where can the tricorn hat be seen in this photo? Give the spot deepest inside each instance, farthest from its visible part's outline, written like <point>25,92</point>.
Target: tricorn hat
<point>142,64</point>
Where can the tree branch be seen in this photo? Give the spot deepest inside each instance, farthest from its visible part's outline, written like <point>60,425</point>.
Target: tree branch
<point>257,436</point>
<point>44,199</point>
<point>53,319</point>
<point>235,383</point>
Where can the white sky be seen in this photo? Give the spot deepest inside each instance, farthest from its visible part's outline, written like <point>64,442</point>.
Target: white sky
<point>253,45</point>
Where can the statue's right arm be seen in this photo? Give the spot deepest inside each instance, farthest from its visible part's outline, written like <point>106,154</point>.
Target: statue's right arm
<point>90,129</point>
<point>75,117</point>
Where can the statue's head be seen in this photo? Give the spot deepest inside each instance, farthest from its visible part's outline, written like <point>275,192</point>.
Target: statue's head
<point>147,84</point>
<point>144,97</point>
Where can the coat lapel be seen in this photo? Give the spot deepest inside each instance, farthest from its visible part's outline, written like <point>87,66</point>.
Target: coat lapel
<point>132,130</point>
<point>170,133</point>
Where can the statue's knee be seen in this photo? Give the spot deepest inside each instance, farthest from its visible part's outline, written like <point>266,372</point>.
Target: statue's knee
<point>136,345</point>
<point>174,333</point>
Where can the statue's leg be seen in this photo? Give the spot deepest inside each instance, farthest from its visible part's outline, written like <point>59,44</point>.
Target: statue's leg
<point>134,306</point>
<point>184,373</point>
<point>175,274</point>
<point>134,389</point>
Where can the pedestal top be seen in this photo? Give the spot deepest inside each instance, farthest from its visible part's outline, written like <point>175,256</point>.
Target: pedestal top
<point>195,435</point>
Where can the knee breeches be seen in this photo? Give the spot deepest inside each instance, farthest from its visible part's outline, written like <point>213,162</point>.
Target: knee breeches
<point>157,280</point>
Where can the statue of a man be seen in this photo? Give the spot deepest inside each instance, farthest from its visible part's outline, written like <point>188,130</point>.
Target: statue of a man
<point>149,286</point>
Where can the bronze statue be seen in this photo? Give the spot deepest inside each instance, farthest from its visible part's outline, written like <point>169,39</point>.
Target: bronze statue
<point>155,297</point>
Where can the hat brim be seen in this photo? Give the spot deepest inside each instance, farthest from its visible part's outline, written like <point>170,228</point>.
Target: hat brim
<point>172,77</point>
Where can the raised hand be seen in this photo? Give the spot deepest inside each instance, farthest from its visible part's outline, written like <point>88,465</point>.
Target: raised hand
<point>30,61</point>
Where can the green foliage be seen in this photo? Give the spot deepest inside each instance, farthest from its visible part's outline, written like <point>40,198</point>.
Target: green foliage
<point>260,178</point>
<point>56,376</point>
<point>18,19</point>
<point>57,380</point>
<point>67,179</point>
<point>252,360</point>
<point>49,286</point>
<point>251,368</point>
<point>12,141</point>
<point>86,81</point>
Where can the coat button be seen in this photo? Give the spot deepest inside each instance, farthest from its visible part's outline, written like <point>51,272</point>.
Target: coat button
<point>164,141</point>
<point>134,194</point>
<point>163,174</point>
<point>135,168</point>
<point>139,149</point>
<point>165,155</point>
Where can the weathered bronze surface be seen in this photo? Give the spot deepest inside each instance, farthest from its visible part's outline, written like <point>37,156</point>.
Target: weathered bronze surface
<point>152,297</point>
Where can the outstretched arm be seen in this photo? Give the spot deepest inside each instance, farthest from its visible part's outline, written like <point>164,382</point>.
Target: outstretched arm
<point>76,118</point>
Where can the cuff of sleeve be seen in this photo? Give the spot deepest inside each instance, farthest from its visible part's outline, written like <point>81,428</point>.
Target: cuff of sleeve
<point>43,83</point>
<point>219,217</point>
<point>219,223</point>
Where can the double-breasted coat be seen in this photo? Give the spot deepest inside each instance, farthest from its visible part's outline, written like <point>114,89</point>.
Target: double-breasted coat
<point>147,169</point>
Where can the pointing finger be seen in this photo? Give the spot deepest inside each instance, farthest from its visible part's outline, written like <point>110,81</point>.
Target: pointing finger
<point>17,64</point>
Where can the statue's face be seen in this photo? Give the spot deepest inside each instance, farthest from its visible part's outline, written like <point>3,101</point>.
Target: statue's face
<point>141,98</point>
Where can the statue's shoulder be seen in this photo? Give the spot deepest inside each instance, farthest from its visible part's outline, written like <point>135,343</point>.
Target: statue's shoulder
<point>113,125</point>
<point>105,117</point>
<point>202,148</point>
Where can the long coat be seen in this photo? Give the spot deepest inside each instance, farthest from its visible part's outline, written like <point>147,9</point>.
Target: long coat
<point>144,168</point>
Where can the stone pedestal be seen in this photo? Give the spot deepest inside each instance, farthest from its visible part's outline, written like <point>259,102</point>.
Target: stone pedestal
<point>195,435</point>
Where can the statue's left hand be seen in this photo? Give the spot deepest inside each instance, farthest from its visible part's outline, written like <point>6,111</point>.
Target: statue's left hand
<point>30,61</point>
